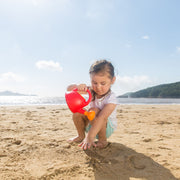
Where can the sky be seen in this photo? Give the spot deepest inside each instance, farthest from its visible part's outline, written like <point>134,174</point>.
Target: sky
<point>45,45</point>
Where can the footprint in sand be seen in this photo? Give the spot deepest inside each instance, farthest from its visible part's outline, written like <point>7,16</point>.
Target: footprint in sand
<point>3,154</point>
<point>17,142</point>
<point>137,162</point>
<point>28,113</point>
<point>161,147</point>
<point>147,140</point>
<point>163,122</point>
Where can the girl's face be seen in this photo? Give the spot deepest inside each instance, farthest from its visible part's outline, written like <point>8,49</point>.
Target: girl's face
<point>101,83</point>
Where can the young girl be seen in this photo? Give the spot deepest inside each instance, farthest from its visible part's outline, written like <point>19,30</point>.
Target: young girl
<point>103,103</point>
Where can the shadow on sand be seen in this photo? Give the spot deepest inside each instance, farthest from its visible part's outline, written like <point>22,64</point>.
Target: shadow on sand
<point>118,162</point>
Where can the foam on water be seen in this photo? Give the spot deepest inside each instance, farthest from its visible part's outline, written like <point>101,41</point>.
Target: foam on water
<point>37,100</point>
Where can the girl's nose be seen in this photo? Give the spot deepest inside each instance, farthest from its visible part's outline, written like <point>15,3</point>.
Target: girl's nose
<point>98,86</point>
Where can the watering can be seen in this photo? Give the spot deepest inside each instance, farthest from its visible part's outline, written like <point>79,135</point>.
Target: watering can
<point>76,102</point>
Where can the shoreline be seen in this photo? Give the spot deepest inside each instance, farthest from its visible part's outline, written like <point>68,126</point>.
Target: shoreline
<point>65,105</point>
<point>33,144</point>
<point>44,101</point>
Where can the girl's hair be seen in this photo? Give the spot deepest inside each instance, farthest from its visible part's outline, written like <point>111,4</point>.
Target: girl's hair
<point>102,66</point>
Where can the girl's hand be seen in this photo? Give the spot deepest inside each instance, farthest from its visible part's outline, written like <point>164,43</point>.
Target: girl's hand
<point>87,143</point>
<point>82,88</point>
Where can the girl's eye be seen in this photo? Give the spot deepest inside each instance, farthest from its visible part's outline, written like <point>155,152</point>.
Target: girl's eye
<point>103,84</point>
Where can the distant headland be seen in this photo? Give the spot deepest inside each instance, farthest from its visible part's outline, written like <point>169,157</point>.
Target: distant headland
<point>10,93</point>
<point>171,90</point>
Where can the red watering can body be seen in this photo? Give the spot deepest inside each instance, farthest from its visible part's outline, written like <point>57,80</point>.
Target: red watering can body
<point>76,102</point>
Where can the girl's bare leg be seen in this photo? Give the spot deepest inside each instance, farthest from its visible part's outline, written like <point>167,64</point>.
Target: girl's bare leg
<point>80,122</point>
<point>102,139</point>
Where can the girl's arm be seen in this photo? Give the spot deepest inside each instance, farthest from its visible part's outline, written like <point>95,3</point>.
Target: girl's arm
<point>97,124</point>
<point>100,119</point>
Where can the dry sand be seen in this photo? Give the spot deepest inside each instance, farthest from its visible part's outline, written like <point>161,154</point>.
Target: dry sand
<point>145,146</point>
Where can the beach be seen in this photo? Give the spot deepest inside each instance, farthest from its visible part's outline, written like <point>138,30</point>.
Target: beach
<point>145,146</point>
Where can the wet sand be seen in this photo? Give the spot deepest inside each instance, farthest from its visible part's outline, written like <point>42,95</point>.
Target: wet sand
<point>145,146</point>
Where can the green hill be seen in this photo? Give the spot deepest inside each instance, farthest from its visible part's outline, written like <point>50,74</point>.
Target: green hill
<point>171,90</point>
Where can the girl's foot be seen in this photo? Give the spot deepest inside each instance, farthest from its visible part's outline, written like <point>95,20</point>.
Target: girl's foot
<point>102,144</point>
<point>76,139</point>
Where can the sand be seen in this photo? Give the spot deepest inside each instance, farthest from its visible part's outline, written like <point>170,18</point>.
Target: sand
<point>145,146</point>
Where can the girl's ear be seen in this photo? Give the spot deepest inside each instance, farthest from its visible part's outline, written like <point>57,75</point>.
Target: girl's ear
<point>113,80</point>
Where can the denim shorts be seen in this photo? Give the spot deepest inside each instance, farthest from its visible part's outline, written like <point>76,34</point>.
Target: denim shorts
<point>109,128</point>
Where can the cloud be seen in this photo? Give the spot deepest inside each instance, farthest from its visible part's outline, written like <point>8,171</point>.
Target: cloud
<point>126,84</point>
<point>134,79</point>
<point>50,65</point>
<point>146,37</point>
<point>10,76</point>
<point>38,3</point>
<point>178,49</point>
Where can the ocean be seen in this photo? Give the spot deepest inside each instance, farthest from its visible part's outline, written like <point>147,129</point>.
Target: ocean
<point>37,100</point>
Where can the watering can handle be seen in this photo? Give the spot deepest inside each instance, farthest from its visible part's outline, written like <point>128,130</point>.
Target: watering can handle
<point>90,96</point>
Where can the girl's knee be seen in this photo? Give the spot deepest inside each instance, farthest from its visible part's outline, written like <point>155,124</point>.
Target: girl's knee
<point>77,115</point>
<point>96,110</point>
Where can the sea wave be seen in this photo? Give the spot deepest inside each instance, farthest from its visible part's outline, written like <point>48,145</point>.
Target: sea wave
<point>37,100</point>
<point>31,100</point>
